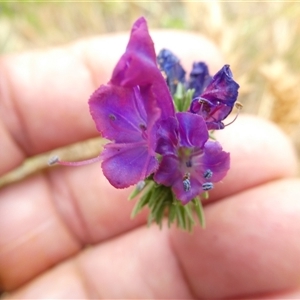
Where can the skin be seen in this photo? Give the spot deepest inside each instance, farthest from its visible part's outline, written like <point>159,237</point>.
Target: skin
<point>66,233</point>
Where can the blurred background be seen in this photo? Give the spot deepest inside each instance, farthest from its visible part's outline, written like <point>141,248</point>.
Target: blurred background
<point>261,41</point>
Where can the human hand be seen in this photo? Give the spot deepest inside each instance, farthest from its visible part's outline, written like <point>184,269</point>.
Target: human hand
<point>66,233</point>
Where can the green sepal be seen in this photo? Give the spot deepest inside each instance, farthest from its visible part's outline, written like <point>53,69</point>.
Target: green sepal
<point>171,214</point>
<point>205,195</point>
<point>180,216</point>
<point>178,96</point>
<point>144,199</point>
<point>182,98</point>
<point>211,135</point>
<point>162,204</point>
<point>188,99</point>
<point>136,191</point>
<point>199,211</point>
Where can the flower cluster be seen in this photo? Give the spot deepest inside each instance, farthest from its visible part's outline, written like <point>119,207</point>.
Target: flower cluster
<point>158,123</point>
<point>135,110</point>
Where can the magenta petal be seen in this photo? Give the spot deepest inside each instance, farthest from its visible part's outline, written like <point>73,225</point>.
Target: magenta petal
<point>213,114</point>
<point>170,65</point>
<point>127,164</point>
<point>138,67</point>
<point>217,100</point>
<point>214,159</point>
<point>119,113</point>
<point>199,77</point>
<point>222,88</point>
<point>160,93</point>
<point>153,116</point>
<point>168,171</point>
<point>167,136</point>
<point>186,196</point>
<point>139,57</point>
<point>192,130</point>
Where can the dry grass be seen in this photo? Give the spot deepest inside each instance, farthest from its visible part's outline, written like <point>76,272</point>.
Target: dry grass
<point>259,40</point>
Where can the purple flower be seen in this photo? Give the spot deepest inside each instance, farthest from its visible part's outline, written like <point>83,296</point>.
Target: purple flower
<point>168,155</point>
<point>190,163</point>
<point>199,77</point>
<point>170,65</point>
<point>128,109</point>
<point>217,100</point>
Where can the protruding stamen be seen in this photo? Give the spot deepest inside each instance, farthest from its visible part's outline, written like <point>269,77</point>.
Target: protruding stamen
<point>186,182</point>
<point>140,185</point>
<point>239,107</point>
<point>55,160</point>
<point>207,186</point>
<point>208,174</point>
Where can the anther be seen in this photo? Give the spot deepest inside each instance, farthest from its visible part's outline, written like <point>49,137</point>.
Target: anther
<point>208,174</point>
<point>238,106</point>
<point>186,182</point>
<point>53,160</point>
<point>207,186</point>
<point>140,185</point>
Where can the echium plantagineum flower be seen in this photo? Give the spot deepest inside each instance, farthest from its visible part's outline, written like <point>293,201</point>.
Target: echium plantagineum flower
<point>127,109</point>
<point>199,77</point>
<point>167,153</point>
<point>133,109</point>
<point>190,163</point>
<point>215,103</point>
<point>170,65</point>
<point>213,97</point>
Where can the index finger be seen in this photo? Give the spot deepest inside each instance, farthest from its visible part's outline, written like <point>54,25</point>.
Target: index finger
<point>44,94</point>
